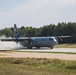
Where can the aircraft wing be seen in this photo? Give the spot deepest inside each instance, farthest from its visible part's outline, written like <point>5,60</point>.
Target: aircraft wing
<point>64,36</point>
<point>61,38</point>
<point>12,39</point>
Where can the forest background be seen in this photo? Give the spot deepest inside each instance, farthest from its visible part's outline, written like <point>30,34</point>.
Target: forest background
<point>61,29</point>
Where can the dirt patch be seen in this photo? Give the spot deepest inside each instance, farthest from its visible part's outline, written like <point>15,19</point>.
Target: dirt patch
<point>38,55</point>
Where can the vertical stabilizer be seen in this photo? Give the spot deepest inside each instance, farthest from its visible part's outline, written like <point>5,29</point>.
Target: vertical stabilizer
<point>16,33</point>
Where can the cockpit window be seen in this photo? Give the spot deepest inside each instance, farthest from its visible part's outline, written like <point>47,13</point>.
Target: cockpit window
<point>50,38</point>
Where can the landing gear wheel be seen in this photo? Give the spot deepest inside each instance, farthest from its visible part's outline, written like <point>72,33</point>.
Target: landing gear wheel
<point>38,47</point>
<point>51,47</point>
<point>29,47</point>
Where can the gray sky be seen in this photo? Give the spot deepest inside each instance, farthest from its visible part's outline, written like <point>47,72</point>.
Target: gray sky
<point>36,13</point>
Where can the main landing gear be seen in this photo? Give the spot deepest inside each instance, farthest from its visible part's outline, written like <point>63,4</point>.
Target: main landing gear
<point>29,47</point>
<point>51,47</point>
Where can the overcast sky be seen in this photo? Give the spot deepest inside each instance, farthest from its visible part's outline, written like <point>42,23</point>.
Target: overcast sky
<point>36,13</point>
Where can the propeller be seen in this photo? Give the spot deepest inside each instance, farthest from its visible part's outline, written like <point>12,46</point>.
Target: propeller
<point>59,39</point>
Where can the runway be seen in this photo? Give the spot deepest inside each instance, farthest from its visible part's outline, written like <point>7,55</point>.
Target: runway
<point>18,47</point>
<point>22,49</point>
<point>50,50</point>
<point>14,50</point>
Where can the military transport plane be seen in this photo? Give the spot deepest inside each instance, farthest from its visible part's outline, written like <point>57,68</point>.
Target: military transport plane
<point>31,42</point>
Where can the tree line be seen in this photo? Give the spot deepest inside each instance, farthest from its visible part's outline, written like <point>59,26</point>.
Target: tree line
<point>65,29</point>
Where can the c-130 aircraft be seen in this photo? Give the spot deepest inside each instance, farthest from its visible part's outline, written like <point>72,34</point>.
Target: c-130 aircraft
<point>31,42</point>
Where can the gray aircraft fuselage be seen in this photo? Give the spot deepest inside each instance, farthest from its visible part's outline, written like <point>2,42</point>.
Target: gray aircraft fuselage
<point>40,42</point>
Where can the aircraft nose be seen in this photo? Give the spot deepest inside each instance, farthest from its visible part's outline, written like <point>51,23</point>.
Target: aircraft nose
<point>55,42</point>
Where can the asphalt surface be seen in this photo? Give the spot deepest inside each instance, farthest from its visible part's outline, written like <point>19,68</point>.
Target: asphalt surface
<point>18,47</point>
<point>31,54</point>
<point>50,50</point>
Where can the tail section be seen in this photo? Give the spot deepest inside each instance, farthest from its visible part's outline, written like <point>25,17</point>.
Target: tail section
<point>16,33</point>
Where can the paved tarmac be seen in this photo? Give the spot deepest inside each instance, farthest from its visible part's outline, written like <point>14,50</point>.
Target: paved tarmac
<point>50,50</point>
<point>18,47</point>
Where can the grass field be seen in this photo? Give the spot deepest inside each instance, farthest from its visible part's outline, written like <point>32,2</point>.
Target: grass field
<point>33,66</point>
<point>69,45</point>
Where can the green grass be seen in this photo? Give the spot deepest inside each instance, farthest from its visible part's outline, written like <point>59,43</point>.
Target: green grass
<point>69,45</point>
<point>36,66</point>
